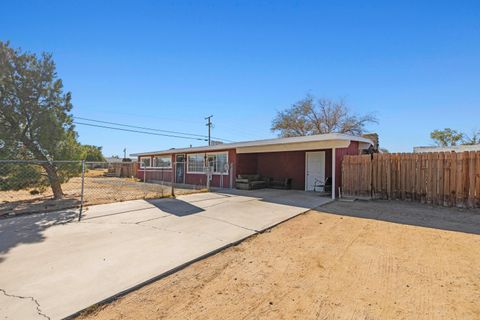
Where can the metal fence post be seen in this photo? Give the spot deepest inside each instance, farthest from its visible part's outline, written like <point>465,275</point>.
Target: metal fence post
<point>81,194</point>
<point>174,172</point>
<point>231,175</point>
<point>208,177</point>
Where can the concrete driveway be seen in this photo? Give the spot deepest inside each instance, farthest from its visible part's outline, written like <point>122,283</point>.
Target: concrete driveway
<point>52,266</point>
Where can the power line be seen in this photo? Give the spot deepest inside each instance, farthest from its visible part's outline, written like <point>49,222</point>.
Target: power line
<point>137,127</point>
<point>151,129</point>
<point>138,131</point>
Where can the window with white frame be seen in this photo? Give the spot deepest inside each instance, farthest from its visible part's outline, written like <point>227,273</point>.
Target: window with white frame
<point>195,163</point>
<point>145,162</point>
<point>162,162</point>
<point>219,162</point>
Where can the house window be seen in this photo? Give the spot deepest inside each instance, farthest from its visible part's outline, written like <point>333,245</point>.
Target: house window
<point>145,162</point>
<point>195,163</point>
<point>219,162</point>
<point>162,162</point>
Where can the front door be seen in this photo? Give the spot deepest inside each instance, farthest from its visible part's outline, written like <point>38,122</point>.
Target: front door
<point>180,168</point>
<point>314,169</point>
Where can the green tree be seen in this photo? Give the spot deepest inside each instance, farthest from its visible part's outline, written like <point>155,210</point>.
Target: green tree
<point>92,153</point>
<point>446,137</point>
<point>309,116</point>
<point>472,139</point>
<point>35,119</point>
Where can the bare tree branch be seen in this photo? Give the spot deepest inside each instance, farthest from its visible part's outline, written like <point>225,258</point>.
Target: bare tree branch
<point>325,116</point>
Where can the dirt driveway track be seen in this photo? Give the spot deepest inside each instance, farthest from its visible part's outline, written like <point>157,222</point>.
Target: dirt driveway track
<point>52,266</point>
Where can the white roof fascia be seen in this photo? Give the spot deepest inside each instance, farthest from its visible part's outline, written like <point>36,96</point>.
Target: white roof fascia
<point>255,143</point>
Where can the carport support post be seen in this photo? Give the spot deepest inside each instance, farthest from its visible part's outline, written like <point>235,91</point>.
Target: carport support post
<point>333,173</point>
<point>208,180</point>
<point>83,188</point>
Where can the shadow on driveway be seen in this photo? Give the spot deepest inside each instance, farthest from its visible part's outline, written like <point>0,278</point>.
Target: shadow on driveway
<point>410,213</point>
<point>29,228</point>
<point>176,207</point>
<point>294,198</point>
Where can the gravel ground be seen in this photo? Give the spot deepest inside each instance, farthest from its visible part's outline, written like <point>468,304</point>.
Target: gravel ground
<point>358,260</point>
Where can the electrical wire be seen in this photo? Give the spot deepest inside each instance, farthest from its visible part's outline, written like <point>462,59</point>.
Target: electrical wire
<point>138,131</point>
<point>152,129</point>
<point>138,127</point>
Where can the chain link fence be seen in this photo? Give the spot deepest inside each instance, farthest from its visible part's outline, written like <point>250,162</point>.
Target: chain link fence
<point>41,186</point>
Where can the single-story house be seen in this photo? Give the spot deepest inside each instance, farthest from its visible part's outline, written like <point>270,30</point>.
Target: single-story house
<point>306,160</point>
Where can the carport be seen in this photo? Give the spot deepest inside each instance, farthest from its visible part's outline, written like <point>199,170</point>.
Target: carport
<point>308,161</point>
<point>304,168</point>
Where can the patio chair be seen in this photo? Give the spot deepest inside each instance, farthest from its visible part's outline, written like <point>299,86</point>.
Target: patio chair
<point>324,186</point>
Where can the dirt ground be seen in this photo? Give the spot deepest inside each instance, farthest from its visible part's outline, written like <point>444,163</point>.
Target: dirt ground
<point>359,260</point>
<point>98,188</point>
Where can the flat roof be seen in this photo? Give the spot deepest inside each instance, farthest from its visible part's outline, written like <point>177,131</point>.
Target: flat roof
<point>265,142</point>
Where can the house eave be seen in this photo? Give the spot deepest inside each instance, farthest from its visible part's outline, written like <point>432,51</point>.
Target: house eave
<point>327,140</point>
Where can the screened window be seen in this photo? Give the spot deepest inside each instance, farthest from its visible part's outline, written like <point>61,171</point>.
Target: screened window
<point>162,162</point>
<point>219,162</point>
<point>145,162</point>
<point>195,163</point>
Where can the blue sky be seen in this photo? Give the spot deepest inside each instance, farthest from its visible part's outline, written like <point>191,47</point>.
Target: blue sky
<point>168,64</point>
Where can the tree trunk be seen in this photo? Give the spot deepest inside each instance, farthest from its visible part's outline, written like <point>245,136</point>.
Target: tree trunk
<point>54,181</point>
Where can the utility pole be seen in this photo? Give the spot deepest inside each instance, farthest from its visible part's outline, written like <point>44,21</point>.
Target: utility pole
<point>209,125</point>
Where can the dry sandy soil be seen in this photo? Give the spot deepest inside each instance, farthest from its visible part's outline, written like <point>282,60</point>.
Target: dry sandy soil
<point>361,260</point>
<point>98,189</point>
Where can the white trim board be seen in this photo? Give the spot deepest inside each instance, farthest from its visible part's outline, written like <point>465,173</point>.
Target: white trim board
<point>329,140</point>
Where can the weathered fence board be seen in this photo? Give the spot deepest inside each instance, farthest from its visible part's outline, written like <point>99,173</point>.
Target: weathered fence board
<point>360,184</point>
<point>445,179</point>
<point>123,169</point>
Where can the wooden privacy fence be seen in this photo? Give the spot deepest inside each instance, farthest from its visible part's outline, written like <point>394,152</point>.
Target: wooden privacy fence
<point>442,178</point>
<point>123,169</point>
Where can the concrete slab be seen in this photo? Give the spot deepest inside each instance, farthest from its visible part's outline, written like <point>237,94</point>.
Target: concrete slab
<point>51,265</point>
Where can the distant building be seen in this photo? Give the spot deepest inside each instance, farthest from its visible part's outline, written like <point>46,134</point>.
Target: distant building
<point>461,148</point>
<point>119,160</point>
<point>215,142</point>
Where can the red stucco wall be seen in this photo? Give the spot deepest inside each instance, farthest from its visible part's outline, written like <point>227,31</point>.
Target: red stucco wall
<point>290,164</point>
<point>247,163</point>
<point>283,165</point>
